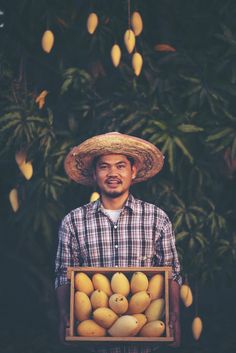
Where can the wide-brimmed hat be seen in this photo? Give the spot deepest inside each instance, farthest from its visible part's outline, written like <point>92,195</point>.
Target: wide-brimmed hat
<point>147,158</point>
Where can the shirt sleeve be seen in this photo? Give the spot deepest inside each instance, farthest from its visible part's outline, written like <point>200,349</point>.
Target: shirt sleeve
<point>166,253</point>
<point>67,252</point>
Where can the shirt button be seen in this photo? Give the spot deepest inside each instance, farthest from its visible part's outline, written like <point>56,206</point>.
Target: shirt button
<point>115,226</point>
<point>116,265</point>
<point>116,246</point>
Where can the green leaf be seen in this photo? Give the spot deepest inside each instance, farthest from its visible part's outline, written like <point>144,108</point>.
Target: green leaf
<point>189,128</point>
<point>219,134</point>
<point>183,149</point>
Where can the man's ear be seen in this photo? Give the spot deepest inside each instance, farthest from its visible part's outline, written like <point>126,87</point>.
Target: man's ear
<point>134,171</point>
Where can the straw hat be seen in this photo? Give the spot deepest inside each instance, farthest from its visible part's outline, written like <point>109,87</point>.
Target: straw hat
<point>79,162</point>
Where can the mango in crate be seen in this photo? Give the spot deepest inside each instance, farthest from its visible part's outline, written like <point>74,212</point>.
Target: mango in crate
<point>105,317</point>
<point>83,283</point>
<point>118,303</point>
<point>101,282</point>
<point>83,307</point>
<point>89,328</point>
<point>156,286</point>
<point>120,284</point>
<point>125,326</point>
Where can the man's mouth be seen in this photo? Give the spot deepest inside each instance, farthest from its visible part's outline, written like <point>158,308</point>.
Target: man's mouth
<point>113,182</point>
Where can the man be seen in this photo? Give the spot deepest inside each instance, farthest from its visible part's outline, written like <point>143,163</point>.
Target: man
<point>116,230</point>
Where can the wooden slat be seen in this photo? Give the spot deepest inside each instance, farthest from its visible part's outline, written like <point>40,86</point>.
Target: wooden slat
<point>167,304</point>
<point>120,339</point>
<point>72,304</point>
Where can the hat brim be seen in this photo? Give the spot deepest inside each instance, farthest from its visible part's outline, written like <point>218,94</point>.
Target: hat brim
<point>148,159</point>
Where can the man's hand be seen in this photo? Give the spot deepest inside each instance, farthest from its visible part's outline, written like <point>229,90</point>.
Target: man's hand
<point>63,321</point>
<point>175,329</point>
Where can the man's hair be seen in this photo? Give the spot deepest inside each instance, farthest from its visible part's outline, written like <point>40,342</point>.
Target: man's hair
<point>95,160</point>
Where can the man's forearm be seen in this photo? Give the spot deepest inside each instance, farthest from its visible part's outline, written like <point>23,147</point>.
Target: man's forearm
<point>174,297</point>
<point>63,295</point>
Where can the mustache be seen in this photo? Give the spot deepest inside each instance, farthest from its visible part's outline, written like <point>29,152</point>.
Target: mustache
<point>113,179</point>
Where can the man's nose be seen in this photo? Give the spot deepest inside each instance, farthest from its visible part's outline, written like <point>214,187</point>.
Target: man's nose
<point>112,171</point>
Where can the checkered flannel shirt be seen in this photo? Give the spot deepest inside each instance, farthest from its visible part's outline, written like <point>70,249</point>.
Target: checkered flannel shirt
<point>142,236</point>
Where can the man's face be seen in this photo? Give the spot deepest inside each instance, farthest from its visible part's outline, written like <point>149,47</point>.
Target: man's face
<point>114,174</point>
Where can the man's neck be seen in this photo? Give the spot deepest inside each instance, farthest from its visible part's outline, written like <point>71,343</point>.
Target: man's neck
<point>114,204</point>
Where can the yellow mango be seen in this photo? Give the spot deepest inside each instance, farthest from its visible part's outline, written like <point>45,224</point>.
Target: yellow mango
<point>129,39</point>
<point>197,327</point>
<point>139,282</point>
<point>115,55</point>
<point>89,328</point>
<point>186,295</point>
<point>26,169</point>
<point>94,196</point>
<point>104,317</point>
<point>139,302</point>
<point>137,63</point>
<point>83,307</point>
<point>83,283</point>
<point>137,23</point>
<point>155,310</point>
<point>92,22</point>
<point>13,198</point>
<point>120,284</point>
<point>153,329</point>
<point>101,282</point>
<point>156,286</point>
<point>47,41</point>
<point>142,320</point>
<point>125,326</point>
<point>99,299</point>
<point>118,303</point>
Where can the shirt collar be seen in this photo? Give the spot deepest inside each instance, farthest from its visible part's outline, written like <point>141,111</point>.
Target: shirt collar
<point>129,204</point>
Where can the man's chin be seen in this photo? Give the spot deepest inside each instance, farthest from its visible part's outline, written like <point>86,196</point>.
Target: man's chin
<point>113,194</point>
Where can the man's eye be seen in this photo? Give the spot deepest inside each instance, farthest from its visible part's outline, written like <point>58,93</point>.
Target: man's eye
<point>120,166</point>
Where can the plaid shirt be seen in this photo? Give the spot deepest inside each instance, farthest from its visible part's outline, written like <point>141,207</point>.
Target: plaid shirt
<point>142,236</point>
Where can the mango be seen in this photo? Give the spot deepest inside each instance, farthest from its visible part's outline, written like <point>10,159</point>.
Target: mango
<point>197,327</point>
<point>139,302</point>
<point>94,196</point>
<point>156,286</point>
<point>101,282</point>
<point>129,39</point>
<point>118,303</point>
<point>13,198</point>
<point>115,55</point>
<point>153,329</point>
<point>125,326</point>
<point>83,283</point>
<point>92,22</point>
<point>142,320</point>
<point>105,317</point>
<point>137,63</point>
<point>120,284</point>
<point>139,282</point>
<point>137,23</point>
<point>186,295</point>
<point>47,41</point>
<point>26,169</point>
<point>83,307</point>
<point>89,328</point>
<point>99,299</point>
<point>155,310</point>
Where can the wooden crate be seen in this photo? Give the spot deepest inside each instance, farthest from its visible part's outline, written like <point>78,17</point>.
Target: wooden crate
<point>128,271</point>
